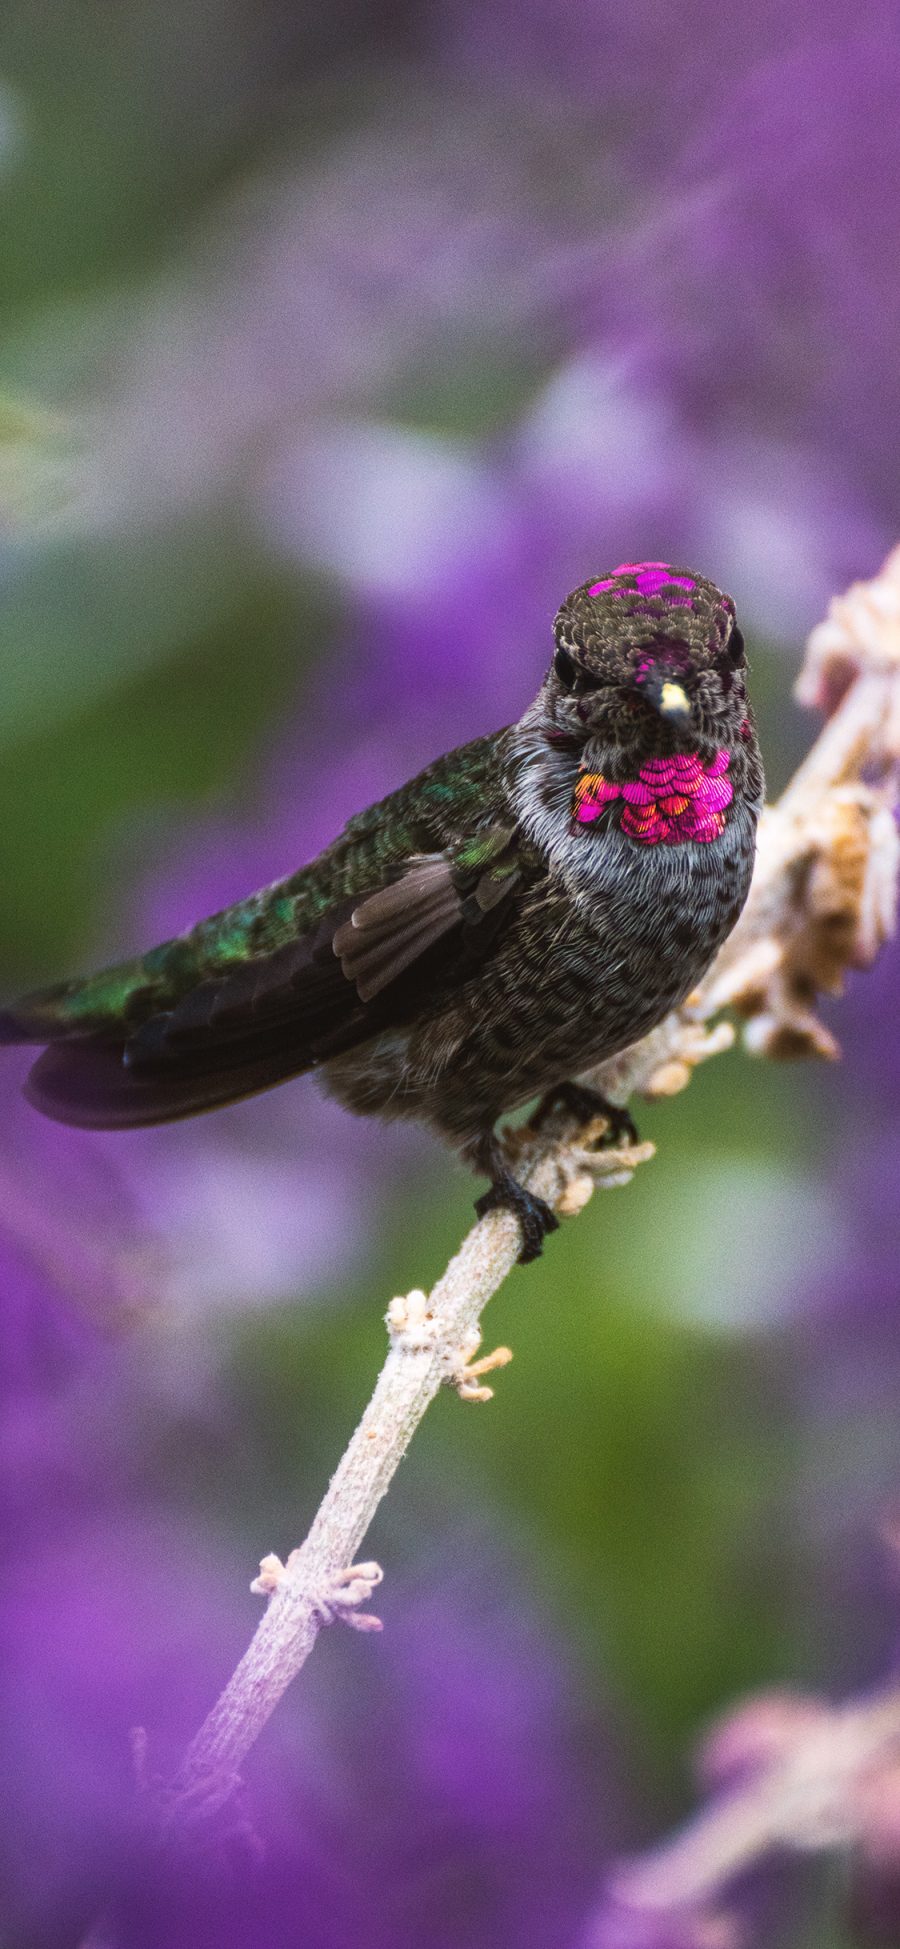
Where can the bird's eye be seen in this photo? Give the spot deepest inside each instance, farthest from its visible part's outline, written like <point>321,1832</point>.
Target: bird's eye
<point>566,669</point>
<point>574,676</point>
<point>735,648</point>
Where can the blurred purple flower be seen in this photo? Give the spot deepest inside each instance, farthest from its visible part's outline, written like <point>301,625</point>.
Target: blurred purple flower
<point>483,1710</point>
<point>782,299</point>
<point>681,240</point>
<point>718,373</point>
<point>321,291</point>
<point>121,1227</point>
<point>619,1927</point>
<point>646,80</point>
<point>79,1269</point>
<point>441,1793</point>
<point>107,1617</point>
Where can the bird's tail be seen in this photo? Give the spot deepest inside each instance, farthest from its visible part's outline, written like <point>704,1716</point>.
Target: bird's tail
<point>86,1083</point>
<point>99,1073</point>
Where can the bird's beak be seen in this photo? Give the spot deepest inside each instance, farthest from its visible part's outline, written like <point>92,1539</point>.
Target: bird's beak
<point>674,702</point>
<point>667,696</point>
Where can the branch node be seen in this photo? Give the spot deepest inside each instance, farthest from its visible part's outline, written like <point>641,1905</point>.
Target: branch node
<point>271,1576</point>
<point>606,1169</point>
<point>465,1374</point>
<point>575,1195</point>
<point>411,1323</point>
<point>347,1589</point>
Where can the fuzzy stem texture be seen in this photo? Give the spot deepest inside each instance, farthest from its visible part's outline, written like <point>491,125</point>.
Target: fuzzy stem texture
<point>822,900</point>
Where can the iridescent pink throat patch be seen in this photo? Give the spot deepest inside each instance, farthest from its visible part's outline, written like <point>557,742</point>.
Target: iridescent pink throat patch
<point>671,800</point>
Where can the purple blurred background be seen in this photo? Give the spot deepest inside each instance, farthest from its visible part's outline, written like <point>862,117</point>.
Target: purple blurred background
<point>336,350</point>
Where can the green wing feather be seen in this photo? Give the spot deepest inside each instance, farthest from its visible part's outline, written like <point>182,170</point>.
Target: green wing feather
<point>296,972</point>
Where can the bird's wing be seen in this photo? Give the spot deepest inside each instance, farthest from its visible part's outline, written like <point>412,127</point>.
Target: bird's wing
<point>368,961</point>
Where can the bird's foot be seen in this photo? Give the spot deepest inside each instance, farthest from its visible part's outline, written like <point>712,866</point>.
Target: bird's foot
<point>534,1214</point>
<point>578,1101</point>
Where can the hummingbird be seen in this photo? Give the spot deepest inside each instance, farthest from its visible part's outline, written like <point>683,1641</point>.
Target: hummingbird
<point>529,905</point>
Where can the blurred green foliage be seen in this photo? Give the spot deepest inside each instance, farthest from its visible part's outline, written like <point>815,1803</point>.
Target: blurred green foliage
<point>225,636</point>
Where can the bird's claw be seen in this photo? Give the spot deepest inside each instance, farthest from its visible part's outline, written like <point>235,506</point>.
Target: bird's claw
<point>534,1214</point>
<point>579,1101</point>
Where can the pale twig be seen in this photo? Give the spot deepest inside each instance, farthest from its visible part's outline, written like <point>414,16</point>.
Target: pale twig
<point>822,901</point>
<point>431,1343</point>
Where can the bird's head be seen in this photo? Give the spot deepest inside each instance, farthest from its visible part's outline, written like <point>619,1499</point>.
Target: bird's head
<point>649,659</point>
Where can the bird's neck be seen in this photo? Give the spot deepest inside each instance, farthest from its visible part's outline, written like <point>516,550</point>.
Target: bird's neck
<point>568,791</point>
<point>675,800</point>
